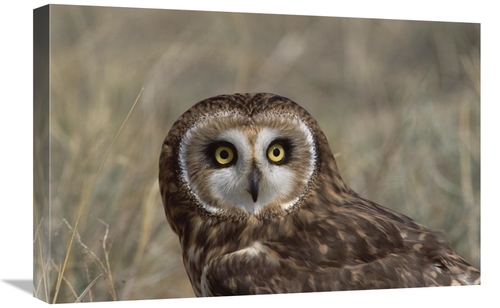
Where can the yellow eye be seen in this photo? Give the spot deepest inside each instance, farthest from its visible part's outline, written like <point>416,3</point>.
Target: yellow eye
<point>224,155</point>
<point>276,153</point>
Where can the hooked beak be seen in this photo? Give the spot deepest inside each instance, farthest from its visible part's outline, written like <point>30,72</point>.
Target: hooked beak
<point>254,184</point>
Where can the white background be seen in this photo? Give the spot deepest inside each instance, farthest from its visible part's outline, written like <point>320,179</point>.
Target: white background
<point>16,117</point>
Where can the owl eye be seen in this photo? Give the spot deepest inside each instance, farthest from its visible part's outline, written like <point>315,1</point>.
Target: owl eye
<point>224,155</point>
<point>276,153</point>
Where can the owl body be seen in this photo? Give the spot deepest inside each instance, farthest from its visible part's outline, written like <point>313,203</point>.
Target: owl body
<point>251,187</point>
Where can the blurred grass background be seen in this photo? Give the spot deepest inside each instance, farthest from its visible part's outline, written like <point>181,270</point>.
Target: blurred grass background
<point>398,100</point>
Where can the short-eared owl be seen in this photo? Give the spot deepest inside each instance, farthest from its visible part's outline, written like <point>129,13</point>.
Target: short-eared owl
<point>251,188</point>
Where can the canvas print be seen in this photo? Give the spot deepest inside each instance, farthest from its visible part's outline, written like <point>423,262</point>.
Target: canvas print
<point>189,153</point>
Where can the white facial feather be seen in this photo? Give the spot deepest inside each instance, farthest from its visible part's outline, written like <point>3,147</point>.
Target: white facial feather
<point>230,185</point>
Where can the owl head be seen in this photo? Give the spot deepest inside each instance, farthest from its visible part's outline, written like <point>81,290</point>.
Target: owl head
<point>240,155</point>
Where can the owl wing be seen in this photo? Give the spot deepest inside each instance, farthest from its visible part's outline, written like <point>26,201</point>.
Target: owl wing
<point>263,271</point>
<point>374,253</point>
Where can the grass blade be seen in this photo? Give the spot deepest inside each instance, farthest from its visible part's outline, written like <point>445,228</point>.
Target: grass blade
<point>87,289</point>
<point>84,202</point>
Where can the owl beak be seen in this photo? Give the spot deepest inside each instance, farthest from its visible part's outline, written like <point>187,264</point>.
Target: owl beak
<point>254,185</point>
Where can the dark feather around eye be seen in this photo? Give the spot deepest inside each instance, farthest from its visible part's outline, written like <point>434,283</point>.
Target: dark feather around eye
<point>212,148</point>
<point>287,147</point>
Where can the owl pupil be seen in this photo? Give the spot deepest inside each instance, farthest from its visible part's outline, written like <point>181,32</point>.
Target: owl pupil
<point>224,154</point>
<point>276,152</point>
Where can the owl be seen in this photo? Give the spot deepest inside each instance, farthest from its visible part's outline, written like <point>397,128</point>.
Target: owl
<point>251,187</point>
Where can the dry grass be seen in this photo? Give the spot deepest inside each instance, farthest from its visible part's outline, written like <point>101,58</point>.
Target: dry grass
<point>399,102</point>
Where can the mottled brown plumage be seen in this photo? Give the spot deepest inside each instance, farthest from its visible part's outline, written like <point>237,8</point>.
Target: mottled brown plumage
<point>326,238</point>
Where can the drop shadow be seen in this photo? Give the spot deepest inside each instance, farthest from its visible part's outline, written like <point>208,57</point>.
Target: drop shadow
<point>22,284</point>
